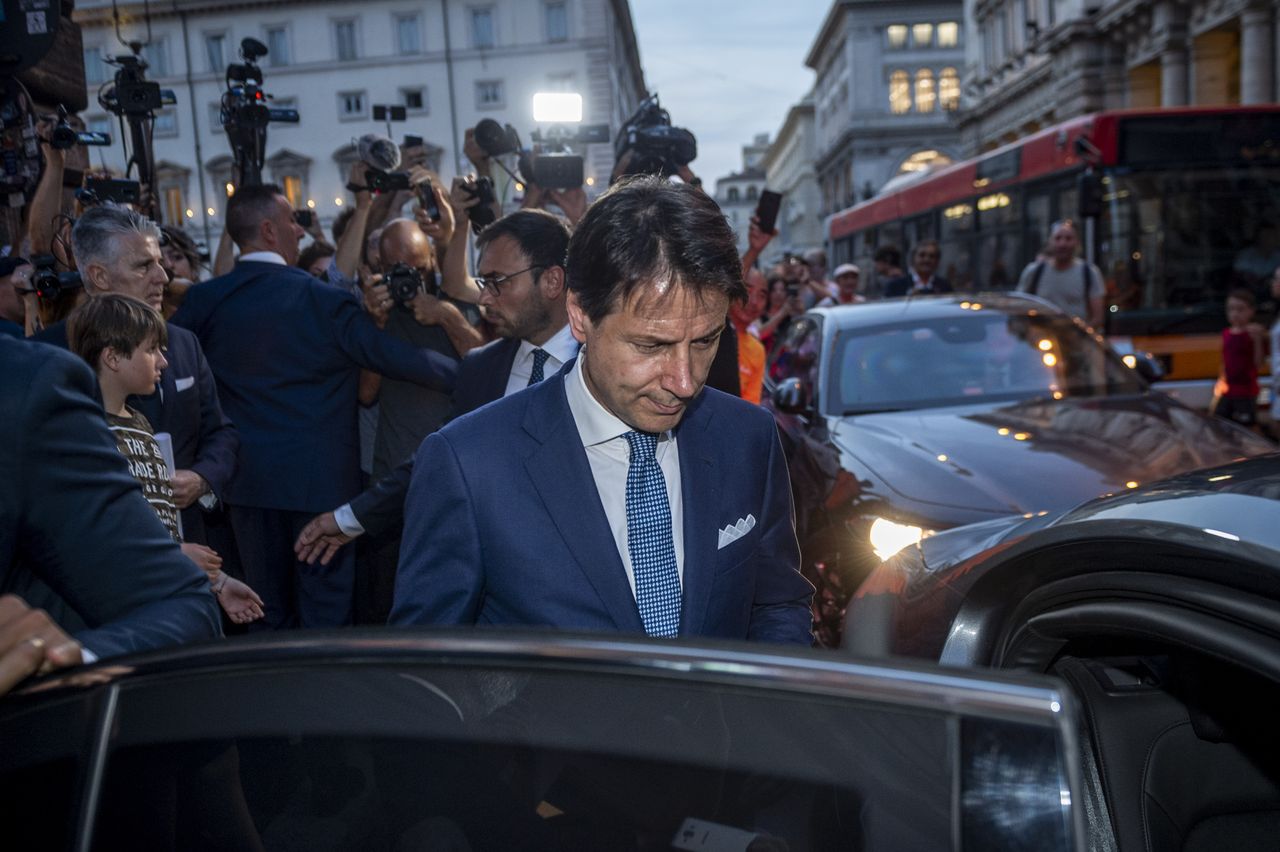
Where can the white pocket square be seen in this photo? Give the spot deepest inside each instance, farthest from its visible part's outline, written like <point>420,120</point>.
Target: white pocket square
<point>733,532</point>
<point>182,384</point>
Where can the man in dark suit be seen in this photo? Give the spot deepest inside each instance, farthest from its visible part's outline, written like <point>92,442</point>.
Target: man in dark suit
<point>522,294</point>
<point>921,279</point>
<point>286,351</point>
<point>77,537</point>
<point>118,251</point>
<point>618,495</point>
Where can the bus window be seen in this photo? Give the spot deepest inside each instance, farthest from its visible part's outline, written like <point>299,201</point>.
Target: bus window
<point>957,264</point>
<point>1038,217</point>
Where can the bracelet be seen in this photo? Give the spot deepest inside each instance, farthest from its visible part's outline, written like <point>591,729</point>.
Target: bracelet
<point>217,590</point>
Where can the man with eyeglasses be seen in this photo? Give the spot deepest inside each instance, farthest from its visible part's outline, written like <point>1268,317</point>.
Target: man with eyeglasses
<point>521,290</point>
<point>15,287</point>
<point>922,279</point>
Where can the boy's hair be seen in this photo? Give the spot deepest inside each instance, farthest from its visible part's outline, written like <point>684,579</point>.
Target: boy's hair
<point>1242,295</point>
<point>113,319</point>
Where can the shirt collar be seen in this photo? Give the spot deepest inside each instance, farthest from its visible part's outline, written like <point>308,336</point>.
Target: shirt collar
<point>561,346</point>
<point>596,425</point>
<point>264,257</point>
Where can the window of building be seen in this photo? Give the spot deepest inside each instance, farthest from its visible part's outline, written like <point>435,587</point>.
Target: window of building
<point>344,40</point>
<point>922,35</point>
<point>215,115</point>
<point>566,82</point>
<point>899,92</point>
<point>752,193</point>
<point>557,22</point>
<point>95,70</point>
<point>489,94</point>
<point>414,100</point>
<point>408,34</point>
<point>157,58</point>
<point>949,89</point>
<point>352,105</point>
<point>166,123</point>
<point>173,206</point>
<point>948,34</point>
<point>733,193</point>
<point>482,28</point>
<point>277,46</point>
<point>215,49</point>
<point>897,35</point>
<point>292,186</point>
<point>926,94</point>
<point>99,124</point>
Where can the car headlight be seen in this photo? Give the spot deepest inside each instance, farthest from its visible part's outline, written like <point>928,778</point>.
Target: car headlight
<point>887,537</point>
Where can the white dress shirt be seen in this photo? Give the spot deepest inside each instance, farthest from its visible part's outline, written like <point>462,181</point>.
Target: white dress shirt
<point>264,257</point>
<point>560,349</point>
<point>609,455</point>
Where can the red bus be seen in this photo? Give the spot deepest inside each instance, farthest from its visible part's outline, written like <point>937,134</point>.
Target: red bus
<point>1190,209</point>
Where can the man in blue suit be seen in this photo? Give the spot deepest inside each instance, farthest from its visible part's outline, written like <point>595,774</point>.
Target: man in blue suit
<point>522,293</point>
<point>286,351</point>
<point>118,251</point>
<point>77,536</point>
<point>618,495</point>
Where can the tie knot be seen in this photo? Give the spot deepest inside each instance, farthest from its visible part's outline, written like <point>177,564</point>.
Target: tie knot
<point>644,445</point>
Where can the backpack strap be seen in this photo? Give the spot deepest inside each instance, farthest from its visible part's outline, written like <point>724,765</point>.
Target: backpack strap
<point>1034,284</point>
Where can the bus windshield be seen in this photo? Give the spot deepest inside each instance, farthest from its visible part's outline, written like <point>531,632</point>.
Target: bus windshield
<point>1172,243</point>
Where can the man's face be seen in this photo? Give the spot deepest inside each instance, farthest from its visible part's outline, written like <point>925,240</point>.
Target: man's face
<point>136,270</point>
<point>287,231</point>
<point>176,262</point>
<point>926,260</point>
<point>746,312</point>
<point>517,308</point>
<point>648,359</point>
<point>1063,242</point>
<point>13,288</point>
<point>848,284</point>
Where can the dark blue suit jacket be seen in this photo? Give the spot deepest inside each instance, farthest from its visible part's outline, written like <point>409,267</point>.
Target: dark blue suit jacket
<point>901,286</point>
<point>186,406</point>
<point>286,351</point>
<point>505,525</point>
<point>76,533</point>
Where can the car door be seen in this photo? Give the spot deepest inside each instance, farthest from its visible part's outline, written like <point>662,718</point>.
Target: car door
<point>486,741</point>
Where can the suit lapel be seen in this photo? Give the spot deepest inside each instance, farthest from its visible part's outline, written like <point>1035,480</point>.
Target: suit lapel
<point>562,476</point>
<point>506,359</point>
<point>700,488</point>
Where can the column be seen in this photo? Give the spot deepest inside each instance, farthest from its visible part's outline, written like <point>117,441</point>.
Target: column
<point>1173,77</point>
<point>1257,61</point>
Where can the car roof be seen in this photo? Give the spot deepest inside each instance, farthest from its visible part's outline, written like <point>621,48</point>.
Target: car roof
<point>944,306</point>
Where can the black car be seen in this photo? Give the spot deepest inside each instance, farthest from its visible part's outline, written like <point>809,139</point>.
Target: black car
<point>402,740</point>
<point>1159,607</point>
<point>906,417</point>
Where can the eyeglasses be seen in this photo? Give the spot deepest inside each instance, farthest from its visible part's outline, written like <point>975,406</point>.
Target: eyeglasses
<point>495,282</point>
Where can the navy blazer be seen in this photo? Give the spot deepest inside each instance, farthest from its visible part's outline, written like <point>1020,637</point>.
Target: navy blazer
<point>286,351</point>
<point>901,286</point>
<point>75,530</point>
<point>506,526</point>
<point>186,406</point>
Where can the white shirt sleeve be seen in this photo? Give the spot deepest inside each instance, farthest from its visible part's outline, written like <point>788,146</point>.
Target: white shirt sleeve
<point>347,522</point>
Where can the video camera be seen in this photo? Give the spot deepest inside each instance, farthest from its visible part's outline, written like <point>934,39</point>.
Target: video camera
<point>405,282</point>
<point>48,282</point>
<point>64,136</point>
<point>655,146</point>
<point>555,166</point>
<point>131,94</point>
<point>245,113</point>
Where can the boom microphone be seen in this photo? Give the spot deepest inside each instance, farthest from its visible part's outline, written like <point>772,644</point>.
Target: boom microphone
<point>379,152</point>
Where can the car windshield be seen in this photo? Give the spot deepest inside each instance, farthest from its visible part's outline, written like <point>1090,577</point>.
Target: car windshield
<point>983,357</point>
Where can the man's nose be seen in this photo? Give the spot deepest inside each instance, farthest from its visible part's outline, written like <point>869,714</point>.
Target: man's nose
<point>164,362</point>
<point>678,374</point>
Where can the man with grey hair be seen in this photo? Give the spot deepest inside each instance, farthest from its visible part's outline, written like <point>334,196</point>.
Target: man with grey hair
<point>118,251</point>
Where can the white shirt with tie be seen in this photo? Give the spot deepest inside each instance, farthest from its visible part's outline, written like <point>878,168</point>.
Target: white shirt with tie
<point>560,349</point>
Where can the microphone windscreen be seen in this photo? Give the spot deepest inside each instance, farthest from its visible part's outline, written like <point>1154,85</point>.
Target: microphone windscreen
<point>379,152</point>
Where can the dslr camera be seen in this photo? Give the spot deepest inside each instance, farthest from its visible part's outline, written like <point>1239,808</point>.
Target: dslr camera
<point>655,146</point>
<point>404,283</point>
<point>48,282</point>
<point>481,214</point>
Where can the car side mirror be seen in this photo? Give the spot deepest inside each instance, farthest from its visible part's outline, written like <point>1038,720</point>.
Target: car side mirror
<point>1148,367</point>
<point>789,397</point>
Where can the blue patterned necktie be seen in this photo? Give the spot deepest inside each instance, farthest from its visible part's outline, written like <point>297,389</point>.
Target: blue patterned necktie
<point>540,357</point>
<point>649,541</point>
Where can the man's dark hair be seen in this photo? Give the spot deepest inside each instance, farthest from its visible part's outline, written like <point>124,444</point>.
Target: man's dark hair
<point>248,208</point>
<point>116,320</point>
<point>923,244</point>
<point>542,237</point>
<point>646,228</point>
<point>314,252</point>
<point>889,255</point>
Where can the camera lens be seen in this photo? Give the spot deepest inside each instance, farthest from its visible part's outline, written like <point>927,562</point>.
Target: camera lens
<point>492,138</point>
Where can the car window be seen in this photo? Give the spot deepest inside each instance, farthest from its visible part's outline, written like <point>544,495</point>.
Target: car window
<point>796,356</point>
<point>493,758</point>
<point>985,357</point>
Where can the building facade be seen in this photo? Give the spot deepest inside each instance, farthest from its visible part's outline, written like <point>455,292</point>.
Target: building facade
<point>1033,63</point>
<point>739,193</point>
<point>887,88</point>
<point>789,168</point>
<point>450,64</point>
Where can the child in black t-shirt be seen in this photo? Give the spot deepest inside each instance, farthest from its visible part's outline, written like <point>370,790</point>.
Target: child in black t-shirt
<point>123,339</point>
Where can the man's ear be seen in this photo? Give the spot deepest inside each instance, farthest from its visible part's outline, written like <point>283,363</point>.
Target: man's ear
<point>109,359</point>
<point>578,321</point>
<point>551,282</point>
<point>95,276</point>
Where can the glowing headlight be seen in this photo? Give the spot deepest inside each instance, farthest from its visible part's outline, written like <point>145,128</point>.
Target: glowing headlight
<point>887,538</point>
